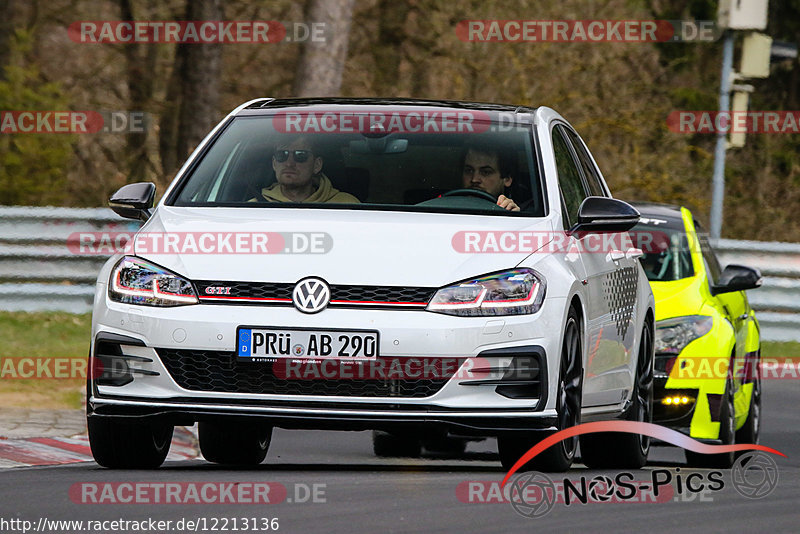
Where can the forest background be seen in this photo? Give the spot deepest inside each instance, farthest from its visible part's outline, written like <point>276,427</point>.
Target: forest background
<point>617,95</point>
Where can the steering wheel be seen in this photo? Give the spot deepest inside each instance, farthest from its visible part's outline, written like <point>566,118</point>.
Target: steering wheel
<point>483,195</point>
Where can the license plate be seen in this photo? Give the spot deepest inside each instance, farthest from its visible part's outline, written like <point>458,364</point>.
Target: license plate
<point>256,344</point>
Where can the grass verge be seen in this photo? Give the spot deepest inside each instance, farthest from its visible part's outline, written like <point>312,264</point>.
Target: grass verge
<point>35,336</point>
<point>775,349</point>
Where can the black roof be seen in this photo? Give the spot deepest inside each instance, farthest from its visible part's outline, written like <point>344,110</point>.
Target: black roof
<point>656,209</point>
<point>305,102</point>
<point>669,213</point>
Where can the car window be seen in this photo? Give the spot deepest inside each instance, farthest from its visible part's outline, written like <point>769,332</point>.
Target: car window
<point>590,173</point>
<point>421,168</point>
<point>569,177</point>
<point>667,254</point>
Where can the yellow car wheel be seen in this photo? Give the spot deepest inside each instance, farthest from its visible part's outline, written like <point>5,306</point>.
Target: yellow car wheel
<point>750,431</point>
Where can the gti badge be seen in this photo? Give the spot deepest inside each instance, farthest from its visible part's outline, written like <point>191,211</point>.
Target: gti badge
<point>311,295</point>
<point>218,290</point>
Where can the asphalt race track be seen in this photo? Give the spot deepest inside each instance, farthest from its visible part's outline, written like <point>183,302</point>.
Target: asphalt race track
<point>356,492</point>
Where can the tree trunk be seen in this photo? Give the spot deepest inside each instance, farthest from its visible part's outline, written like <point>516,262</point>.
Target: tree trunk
<point>193,95</point>
<point>200,74</point>
<point>168,121</point>
<point>141,65</point>
<point>319,72</point>
<point>9,14</point>
<point>389,46</point>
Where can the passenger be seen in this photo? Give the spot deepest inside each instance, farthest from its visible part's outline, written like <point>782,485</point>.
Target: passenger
<point>299,176</point>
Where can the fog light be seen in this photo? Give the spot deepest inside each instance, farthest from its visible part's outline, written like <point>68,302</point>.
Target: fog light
<point>676,400</point>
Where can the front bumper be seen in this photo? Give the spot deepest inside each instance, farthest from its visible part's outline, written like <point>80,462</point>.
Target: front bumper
<point>488,404</point>
<point>363,417</point>
<point>678,416</point>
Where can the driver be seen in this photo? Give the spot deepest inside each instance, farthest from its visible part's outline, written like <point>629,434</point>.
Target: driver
<point>487,170</point>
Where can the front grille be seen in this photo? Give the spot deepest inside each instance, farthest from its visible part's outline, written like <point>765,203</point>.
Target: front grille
<point>249,289</point>
<point>204,370</point>
<point>381,294</point>
<point>265,293</point>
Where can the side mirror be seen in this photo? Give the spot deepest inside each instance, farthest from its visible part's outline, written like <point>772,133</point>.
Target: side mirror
<point>737,278</point>
<point>602,214</point>
<point>134,201</point>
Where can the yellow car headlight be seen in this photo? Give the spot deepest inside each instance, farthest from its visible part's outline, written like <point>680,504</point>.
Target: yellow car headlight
<point>672,335</point>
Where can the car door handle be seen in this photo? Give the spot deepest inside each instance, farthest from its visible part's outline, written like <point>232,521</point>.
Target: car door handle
<point>615,255</point>
<point>744,316</point>
<point>634,253</point>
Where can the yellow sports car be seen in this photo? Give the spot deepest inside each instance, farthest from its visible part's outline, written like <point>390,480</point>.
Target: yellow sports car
<point>707,341</point>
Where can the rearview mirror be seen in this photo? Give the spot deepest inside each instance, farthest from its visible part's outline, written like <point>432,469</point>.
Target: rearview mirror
<point>134,201</point>
<point>737,278</point>
<point>378,145</point>
<point>602,214</point>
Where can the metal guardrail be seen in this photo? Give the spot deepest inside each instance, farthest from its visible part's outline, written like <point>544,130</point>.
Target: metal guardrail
<point>38,271</point>
<point>777,302</point>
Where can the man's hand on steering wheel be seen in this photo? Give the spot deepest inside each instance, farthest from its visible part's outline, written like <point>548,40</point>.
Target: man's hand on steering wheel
<point>502,201</point>
<point>506,203</point>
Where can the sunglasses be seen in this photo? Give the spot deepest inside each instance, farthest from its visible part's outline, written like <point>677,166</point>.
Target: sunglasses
<point>300,156</point>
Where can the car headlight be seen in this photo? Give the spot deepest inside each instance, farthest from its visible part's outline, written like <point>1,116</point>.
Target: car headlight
<point>136,281</point>
<point>514,292</point>
<point>672,335</point>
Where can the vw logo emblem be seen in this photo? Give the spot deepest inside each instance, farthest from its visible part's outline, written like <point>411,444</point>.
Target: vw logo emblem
<point>311,295</point>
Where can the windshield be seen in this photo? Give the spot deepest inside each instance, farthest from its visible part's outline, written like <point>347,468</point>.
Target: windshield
<point>266,161</point>
<point>667,254</point>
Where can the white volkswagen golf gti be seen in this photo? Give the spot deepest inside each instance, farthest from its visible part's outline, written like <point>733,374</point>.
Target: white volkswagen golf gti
<point>431,271</point>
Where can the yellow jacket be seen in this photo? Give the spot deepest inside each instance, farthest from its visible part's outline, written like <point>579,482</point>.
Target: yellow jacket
<point>325,193</point>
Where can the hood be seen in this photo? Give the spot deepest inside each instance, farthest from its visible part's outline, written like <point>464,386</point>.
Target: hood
<point>352,246</point>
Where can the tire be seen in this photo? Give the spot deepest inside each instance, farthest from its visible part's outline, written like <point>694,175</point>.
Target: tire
<point>234,443</point>
<point>622,450</point>
<point>726,435</point>
<point>557,458</point>
<point>751,430</point>
<point>387,445</point>
<point>119,444</point>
